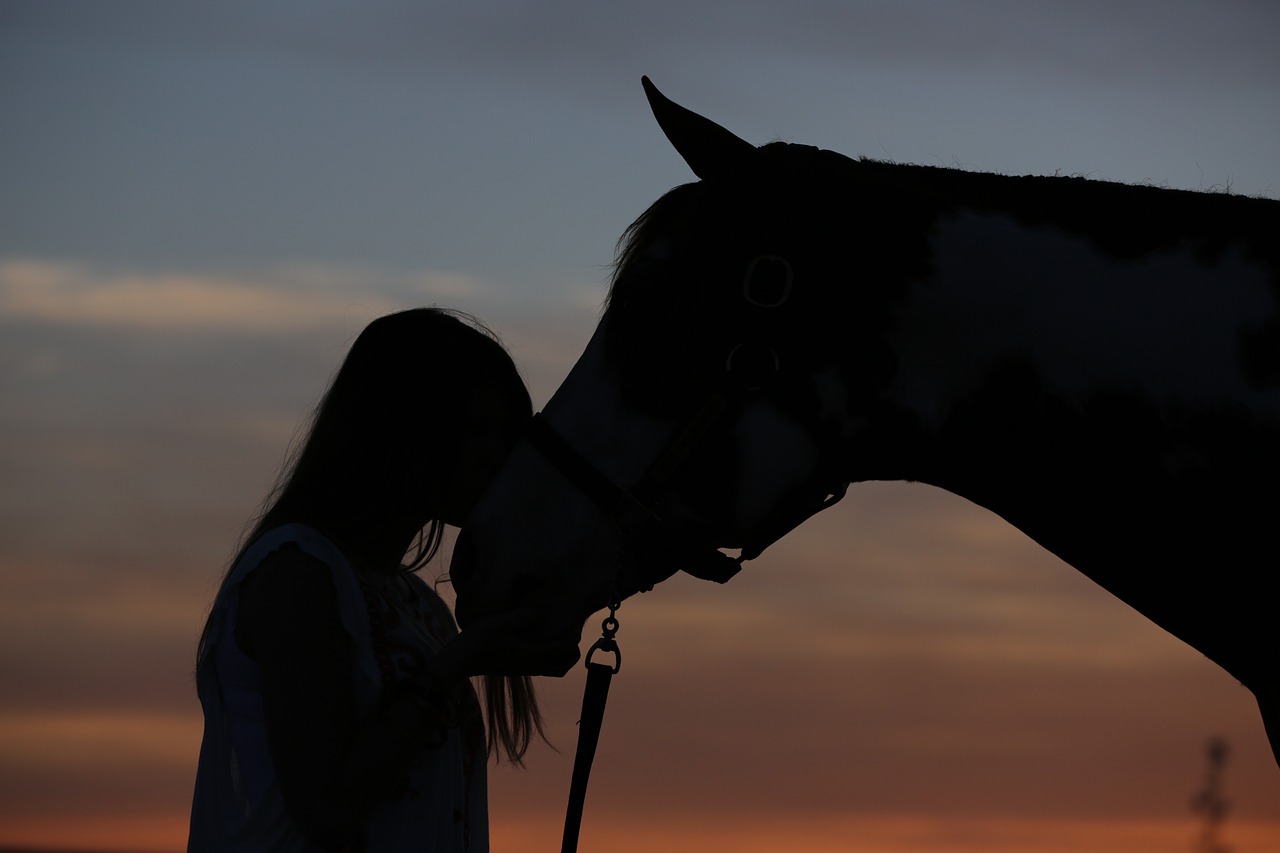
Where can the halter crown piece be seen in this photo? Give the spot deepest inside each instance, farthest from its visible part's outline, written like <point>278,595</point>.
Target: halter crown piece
<point>707,147</point>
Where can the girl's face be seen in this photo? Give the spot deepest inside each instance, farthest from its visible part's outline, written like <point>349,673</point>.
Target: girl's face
<point>490,418</point>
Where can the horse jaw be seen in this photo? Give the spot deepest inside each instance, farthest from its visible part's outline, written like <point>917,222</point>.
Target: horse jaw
<point>533,532</point>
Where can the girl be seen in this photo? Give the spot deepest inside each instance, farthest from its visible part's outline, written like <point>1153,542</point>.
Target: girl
<point>338,710</point>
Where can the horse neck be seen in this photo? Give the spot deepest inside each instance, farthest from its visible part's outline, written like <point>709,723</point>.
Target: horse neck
<point>1120,408</point>
<point>1020,330</point>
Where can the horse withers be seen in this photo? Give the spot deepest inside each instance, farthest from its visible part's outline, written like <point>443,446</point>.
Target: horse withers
<point>1097,363</point>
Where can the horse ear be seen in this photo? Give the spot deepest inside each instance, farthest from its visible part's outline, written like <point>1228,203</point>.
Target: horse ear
<point>707,147</point>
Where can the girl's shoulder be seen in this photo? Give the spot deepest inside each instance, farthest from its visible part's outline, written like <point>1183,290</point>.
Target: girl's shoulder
<point>290,594</point>
<point>302,537</point>
<point>292,575</point>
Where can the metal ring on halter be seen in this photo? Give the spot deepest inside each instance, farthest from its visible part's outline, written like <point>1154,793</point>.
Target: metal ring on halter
<point>783,295</point>
<point>607,643</point>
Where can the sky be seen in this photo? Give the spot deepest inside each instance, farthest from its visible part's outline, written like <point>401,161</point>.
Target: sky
<point>201,205</point>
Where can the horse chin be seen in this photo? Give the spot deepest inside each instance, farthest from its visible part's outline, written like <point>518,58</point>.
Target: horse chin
<point>564,598</point>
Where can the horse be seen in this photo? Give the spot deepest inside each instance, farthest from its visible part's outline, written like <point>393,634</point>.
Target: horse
<point>1097,363</point>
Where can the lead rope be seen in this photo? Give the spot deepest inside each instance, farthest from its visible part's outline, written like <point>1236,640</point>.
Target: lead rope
<point>594,696</point>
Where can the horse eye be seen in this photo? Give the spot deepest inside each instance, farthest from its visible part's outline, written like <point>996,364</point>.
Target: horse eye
<point>768,281</point>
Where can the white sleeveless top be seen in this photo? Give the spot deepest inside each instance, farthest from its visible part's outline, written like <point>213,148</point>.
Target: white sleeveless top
<point>395,621</point>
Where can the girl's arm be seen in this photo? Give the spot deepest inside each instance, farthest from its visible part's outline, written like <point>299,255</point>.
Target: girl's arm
<point>331,771</point>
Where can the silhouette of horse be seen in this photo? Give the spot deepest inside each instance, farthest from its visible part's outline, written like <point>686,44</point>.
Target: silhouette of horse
<point>1097,363</point>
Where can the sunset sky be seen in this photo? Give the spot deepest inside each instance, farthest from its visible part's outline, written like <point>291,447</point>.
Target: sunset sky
<point>201,205</point>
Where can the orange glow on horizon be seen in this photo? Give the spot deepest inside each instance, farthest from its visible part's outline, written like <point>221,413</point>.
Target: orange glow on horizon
<point>818,834</point>
<point>882,834</point>
<point>143,833</point>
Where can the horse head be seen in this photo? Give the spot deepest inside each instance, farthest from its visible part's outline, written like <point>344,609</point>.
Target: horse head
<point>711,411</point>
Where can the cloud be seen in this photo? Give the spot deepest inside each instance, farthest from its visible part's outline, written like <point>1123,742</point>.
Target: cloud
<point>730,735</point>
<point>85,738</point>
<point>285,298</point>
<point>905,572</point>
<point>102,763</point>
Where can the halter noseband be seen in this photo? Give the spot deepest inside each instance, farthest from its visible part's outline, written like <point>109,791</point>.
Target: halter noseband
<point>638,523</point>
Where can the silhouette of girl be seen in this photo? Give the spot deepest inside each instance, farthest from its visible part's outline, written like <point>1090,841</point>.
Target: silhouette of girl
<point>337,706</point>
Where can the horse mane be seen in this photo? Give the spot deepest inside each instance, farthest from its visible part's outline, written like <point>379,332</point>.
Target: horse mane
<point>633,245</point>
<point>1123,220</point>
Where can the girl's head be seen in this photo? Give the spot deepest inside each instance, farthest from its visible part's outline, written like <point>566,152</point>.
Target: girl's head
<point>412,427</point>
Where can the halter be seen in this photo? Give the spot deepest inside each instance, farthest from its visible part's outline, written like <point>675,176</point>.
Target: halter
<point>640,524</point>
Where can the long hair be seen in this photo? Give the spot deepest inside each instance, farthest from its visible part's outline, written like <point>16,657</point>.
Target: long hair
<point>384,426</point>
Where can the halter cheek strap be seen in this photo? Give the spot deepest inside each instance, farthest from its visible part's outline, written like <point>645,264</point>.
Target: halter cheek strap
<point>639,525</point>
<point>644,529</point>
